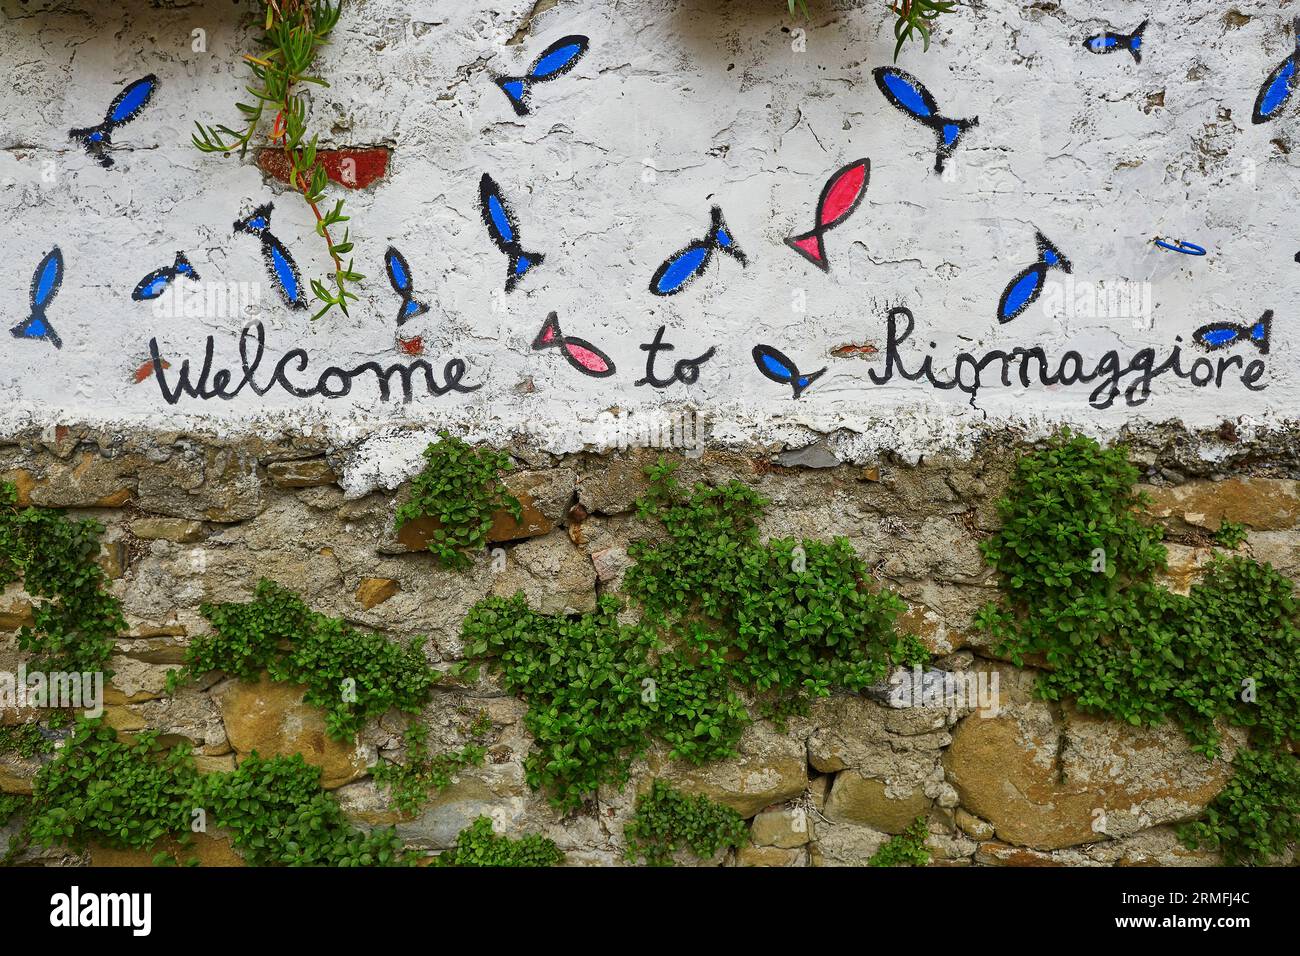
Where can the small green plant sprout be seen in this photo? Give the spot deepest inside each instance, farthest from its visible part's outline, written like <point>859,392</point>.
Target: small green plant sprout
<point>917,16</point>
<point>460,487</point>
<point>904,849</point>
<point>293,31</point>
<point>1230,534</point>
<point>411,782</point>
<point>478,845</point>
<point>667,820</point>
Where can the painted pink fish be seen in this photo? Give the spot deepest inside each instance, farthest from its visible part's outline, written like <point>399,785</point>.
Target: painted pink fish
<point>841,195</point>
<point>579,353</point>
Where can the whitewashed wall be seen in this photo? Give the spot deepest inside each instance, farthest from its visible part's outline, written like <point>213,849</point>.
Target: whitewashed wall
<point>677,106</point>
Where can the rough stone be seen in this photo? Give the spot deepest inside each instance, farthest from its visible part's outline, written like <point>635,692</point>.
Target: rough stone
<point>271,718</point>
<point>770,769</point>
<point>375,591</point>
<point>1047,782</point>
<point>177,530</point>
<point>1264,504</point>
<point>781,828</point>
<point>862,800</point>
<point>555,577</point>
<point>209,849</point>
<point>845,844</point>
<point>770,856</point>
<point>304,473</point>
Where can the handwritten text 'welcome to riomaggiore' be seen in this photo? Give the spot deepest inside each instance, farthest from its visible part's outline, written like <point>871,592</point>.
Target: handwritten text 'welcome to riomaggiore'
<point>1112,375</point>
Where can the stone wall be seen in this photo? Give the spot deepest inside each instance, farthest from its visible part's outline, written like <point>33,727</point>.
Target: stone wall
<point>193,519</point>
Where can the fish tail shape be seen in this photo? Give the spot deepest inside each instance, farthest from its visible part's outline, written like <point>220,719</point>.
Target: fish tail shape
<point>96,140</point>
<point>1051,256</point>
<point>1134,43</point>
<point>721,238</point>
<point>182,267</point>
<point>1281,83</point>
<point>803,381</point>
<point>516,89</point>
<point>949,132</point>
<point>257,222</point>
<point>519,264</point>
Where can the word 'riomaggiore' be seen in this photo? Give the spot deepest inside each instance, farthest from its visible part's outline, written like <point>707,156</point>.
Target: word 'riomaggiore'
<point>1109,372</point>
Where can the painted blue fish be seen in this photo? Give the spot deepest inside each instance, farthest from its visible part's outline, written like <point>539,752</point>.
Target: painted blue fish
<point>1110,42</point>
<point>1281,83</point>
<point>907,93</point>
<point>1221,335</point>
<point>501,227</point>
<point>156,282</point>
<point>399,276</point>
<point>779,368</point>
<point>1024,289</point>
<point>125,107</point>
<point>556,60</point>
<point>280,266</point>
<point>686,265</point>
<point>45,286</point>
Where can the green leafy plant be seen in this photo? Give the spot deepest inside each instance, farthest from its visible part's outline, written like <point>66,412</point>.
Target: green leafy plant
<point>917,17</point>
<point>1230,534</point>
<point>277,814</point>
<point>1078,569</point>
<point>595,698</point>
<point>293,31</point>
<point>1257,815</point>
<point>412,780</point>
<point>56,558</point>
<point>904,849</point>
<point>353,675</point>
<point>477,845</point>
<point>460,487</point>
<point>13,805</point>
<point>25,740</point>
<point>667,820</point>
<point>132,794</point>
<point>103,790</point>
<point>793,618</point>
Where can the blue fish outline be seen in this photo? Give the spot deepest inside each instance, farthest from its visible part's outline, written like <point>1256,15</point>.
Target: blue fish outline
<point>280,267</point>
<point>779,367</point>
<point>909,95</point>
<point>504,230</point>
<point>46,281</point>
<point>399,277</point>
<point>688,263</point>
<point>1016,298</point>
<point>1281,83</point>
<point>519,88</point>
<point>1222,335</point>
<point>154,284</point>
<point>1111,42</point>
<point>126,106</point>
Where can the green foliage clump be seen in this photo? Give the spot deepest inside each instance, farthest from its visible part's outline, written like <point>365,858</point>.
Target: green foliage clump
<point>56,557</point>
<point>1078,566</point>
<point>793,618</point>
<point>594,696</point>
<point>667,820</point>
<point>351,674</point>
<point>904,849</point>
<point>277,814</point>
<point>412,780</point>
<point>460,487</point>
<point>13,805</point>
<point>477,845</point>
<point>131,794</point>
<point>103,790</point>
<point>1257,815</point>
<point>1230,534</point>
<point>24,740</point>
